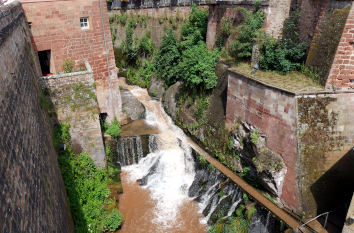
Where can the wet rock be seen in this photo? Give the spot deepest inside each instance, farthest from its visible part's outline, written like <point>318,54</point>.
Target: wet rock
<point>143,181</point>
<point>264,222</point>
<point>131,106</point>
<point>170,99</point>
<point>156,88</point>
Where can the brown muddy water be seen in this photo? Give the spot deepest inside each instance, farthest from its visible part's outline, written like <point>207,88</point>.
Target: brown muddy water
<point>138,210</point>
<point>162,205</point>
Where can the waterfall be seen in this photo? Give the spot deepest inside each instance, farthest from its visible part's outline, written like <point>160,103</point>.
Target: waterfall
<point>133,148</point>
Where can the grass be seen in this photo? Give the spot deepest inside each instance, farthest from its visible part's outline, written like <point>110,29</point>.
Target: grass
<point>293,81</point>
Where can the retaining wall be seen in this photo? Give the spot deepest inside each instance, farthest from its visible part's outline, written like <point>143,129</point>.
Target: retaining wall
<point>312,132</point>
<point>74,99</point>
<point>32,194</point>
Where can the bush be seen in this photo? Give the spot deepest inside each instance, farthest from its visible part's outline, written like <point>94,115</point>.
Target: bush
<point>68,66</point>
<point>197,67</point>
<point>224,33</point>
<point>247,32</point>
<point>113,129</point>
<point>168,58</point>
<point>86,187</point>
<point>146,45</point>
<point>141,76</point>
<point>198,21</point>
<point>286,54</point>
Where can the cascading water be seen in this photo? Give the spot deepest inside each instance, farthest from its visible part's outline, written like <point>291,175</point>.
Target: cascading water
<point>165,166</point>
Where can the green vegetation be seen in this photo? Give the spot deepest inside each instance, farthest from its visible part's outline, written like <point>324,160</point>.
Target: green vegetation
<point>112,129</point>
<point>86,187</point>
<point>68,66</point>
<point>254,138</point>
<point>247,33</point>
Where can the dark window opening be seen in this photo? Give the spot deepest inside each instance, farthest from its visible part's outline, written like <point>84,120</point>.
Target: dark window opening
<point>30,25</point>
<point>103,117</point>
<point>44,60</point>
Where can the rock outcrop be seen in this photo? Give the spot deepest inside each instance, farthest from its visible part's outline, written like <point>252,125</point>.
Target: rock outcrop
<point>170,99</point>
<point>132,108</point>
<point>156,88</point>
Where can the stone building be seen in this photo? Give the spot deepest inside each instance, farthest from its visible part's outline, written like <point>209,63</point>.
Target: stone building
<point>76,30</point>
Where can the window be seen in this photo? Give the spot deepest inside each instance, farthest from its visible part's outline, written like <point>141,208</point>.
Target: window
<point>84,23</point>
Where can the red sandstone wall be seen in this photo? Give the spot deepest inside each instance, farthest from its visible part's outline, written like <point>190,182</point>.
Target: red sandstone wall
<point>273,112</point>
<point>56,26</point>
<point>342,70</point>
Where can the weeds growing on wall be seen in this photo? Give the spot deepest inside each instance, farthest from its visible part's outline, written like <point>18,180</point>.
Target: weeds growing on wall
<point>86,187</point>
<point>68,66</point>
<point>112,129</point>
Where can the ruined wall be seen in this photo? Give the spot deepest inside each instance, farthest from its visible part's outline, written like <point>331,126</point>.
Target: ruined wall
<point>342,70</point>
<point>326,155</point>
<point>56,27</point>
<point>155,19</point>
<point>32,195</point>
<point>273,111</point>
<point>74,99</point>
<point>276,11</point>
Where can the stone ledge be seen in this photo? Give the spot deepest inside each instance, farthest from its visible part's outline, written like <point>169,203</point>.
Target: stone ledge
<point>295,93</point>
<point>65,75</point>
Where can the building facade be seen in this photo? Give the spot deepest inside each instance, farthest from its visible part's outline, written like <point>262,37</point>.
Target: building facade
<point>75,30</point>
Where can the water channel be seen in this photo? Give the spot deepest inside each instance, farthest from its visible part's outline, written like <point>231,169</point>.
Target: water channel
<point>164,190</point>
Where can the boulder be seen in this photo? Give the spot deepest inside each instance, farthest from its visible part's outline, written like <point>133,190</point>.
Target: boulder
<point>170,100</point>
<point>156,88</point>
<point>131,106</point>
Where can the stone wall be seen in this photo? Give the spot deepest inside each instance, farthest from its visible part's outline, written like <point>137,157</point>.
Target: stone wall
<point>32,195</point>
<point>74,100</point>
<point>325,150</point>
<point>276,11</point>
<point>273,111</point>
<point>342,70</point>
<point>56,27</point>
<point>153,23</point>
<point>321,25</point>
<point>312,132</point>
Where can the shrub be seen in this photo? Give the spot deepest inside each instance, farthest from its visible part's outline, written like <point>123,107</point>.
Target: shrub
<point>168,58</point>
<point>224,33</point>
<point>68,66</point>
<point>86,187</point>
<point>197,67</point>
<point>113,129</point>
<point>286,54</point>
<point>141,76</point>
<point>146,45</point>
<point>122,19</point>
<point>247,32</point>
<point>198,21</point>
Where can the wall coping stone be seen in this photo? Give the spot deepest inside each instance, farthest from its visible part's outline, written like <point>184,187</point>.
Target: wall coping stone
<point>64,75</point>
<point>296,94</point>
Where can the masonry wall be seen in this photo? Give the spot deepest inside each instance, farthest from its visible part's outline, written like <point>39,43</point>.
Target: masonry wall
<point>321,26</point>
<point>74,99</point>
<point>273,111</point>
<point>56,27</point>
<point>326,152</point>
<point>276,13</point>
<point>153,17</point>
<point>341,74</point>
<point>32,195</point>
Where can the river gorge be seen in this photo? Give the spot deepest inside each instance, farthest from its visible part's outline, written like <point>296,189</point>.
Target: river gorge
<point>166,186</point>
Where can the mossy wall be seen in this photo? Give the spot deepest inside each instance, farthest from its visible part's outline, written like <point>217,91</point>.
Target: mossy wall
<point>326,136</point>
<point>152,19</point>
<point>327,36</point>
<point>73,100</point>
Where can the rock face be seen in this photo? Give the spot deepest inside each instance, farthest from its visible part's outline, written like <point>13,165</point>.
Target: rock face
<point>266,166</point>
<point>156,88</point>
<point>171,98</point>
<point>131,107</point>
